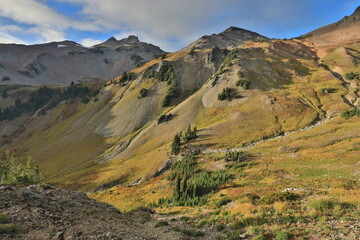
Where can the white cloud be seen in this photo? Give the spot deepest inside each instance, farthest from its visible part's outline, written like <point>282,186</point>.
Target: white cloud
<point>169,24</point>
<point>7,34</point>
<point>41,20</point>
<point>89,42</point>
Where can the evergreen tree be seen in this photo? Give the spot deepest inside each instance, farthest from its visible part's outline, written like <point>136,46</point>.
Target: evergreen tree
<point>175,146</point>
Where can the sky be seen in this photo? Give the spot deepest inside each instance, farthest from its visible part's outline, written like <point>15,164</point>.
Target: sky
<point>169,24</point>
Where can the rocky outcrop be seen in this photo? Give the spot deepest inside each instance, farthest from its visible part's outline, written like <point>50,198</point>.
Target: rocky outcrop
<point>36,212</point>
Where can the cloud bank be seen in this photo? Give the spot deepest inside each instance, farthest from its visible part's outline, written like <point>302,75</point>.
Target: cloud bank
<point>170,24</point>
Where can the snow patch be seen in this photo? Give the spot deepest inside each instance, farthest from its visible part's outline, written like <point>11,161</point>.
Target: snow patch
<point>62,45</point>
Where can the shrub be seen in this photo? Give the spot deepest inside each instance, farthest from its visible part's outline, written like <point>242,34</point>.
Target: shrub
<point>328,90</point>
<point>236,156</point>
<point>9,229</point>
<point>192,233</point>
<point>143,93</point>
<point>5,78</point>
<point>219,227</point>
<point>228,94</point>
<point>243,83</point>
<point>350,113</point>
<point>328,206</point>
<point>248,221</point>
<point>282,235</point>
<point>161,224</point>
<point>222,202</point>
<point>351,75</point>
<point>165,118</point>
<point>13,173</point>
<point>3,218</point>
<point>279,197</point>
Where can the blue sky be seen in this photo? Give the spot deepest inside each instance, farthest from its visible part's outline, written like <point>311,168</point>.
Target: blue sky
<point>170,24</point>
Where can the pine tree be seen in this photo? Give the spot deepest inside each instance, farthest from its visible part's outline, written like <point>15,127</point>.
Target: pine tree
<point>175,146</point>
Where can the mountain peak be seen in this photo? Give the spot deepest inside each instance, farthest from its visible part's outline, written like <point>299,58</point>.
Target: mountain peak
<point>112,39</point>
<point>356,12</point>
<point>233,29</point>
<point>131,38</point>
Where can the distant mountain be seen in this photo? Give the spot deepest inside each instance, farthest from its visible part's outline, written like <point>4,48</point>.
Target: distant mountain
<point>63,62</point>
<point>343,31</point>
<point>233,36</point>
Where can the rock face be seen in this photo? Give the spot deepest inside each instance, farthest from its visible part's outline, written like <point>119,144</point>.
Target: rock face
<point>48,213</point>
<point>62,62</point>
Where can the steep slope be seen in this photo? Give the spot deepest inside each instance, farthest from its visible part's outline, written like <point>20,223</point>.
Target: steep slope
<point>344,31</point>
<point>63,62</point>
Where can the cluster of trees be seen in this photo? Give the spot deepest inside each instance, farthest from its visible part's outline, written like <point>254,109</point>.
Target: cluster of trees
<point>240,156</point>
<point>350,113</point>
<point>228,94</point>
<point>166,74</point>
<point>126,77</point>
<point>5,78</point>
<point>143,93</point>
<point>352,75</point>
<point>243,83</point>
<point>49,97</point>
<point>193,186</point>
<point>12,172</point>
<point>328,90</point>
<point>165,118</point>
<point>189,135</point>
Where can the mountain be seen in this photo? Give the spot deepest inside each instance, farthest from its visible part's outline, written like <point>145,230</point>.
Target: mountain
<point>233,36</point>
<point>60,63</point>
<point>343,31</point>
<point>235,128</point>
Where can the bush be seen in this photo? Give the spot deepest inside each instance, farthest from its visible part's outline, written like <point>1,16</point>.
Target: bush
<point>243,83</point>
<point>143,93</point>
<point>161,224</point>
<point>192,233</point>
<point>351,75</point>
<point>236,156</point>
<point>248,221</point>
<point>279,197</point>
<point>219,227</point>
<point>282,235</point>
<point>13,173</point>
<point>4,218</point>
<point>328,90</point>
<point>222,202</point>
<point>5,78</point>
<point>9,229</point>
<point>228,94</point>
<point>165,118</point>
<point>350,113</point>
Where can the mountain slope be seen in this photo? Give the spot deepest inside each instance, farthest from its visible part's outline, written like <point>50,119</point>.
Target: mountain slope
<point>60,63</point>
<point>343,31</point>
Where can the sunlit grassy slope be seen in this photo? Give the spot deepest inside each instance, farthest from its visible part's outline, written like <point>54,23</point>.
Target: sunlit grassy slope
<point>117,139</point>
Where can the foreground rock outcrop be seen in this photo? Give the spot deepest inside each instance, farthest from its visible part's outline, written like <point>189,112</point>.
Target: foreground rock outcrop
<point>36,212</point>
